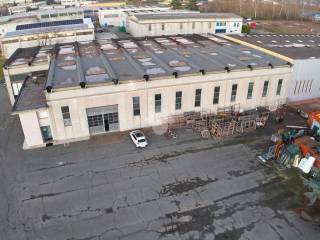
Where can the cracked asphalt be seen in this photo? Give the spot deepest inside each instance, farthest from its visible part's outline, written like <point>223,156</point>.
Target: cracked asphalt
<point>186,188</point>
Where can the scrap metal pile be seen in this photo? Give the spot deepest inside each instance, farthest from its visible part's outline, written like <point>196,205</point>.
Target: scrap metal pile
<point>297,147</point>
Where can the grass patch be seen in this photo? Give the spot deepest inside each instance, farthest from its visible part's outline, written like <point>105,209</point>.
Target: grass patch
<point>288,193</point>
<point>2,60</point>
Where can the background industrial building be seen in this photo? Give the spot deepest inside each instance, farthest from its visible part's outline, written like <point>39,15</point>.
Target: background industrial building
<point>118,16</point>
<point>9,23</point>
<point>47,33</point>
<point>156,24</point>
<point>156,21</point>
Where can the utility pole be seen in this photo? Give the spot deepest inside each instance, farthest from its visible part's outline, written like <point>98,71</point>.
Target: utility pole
<point>302,15</point>
<point>273,6</point>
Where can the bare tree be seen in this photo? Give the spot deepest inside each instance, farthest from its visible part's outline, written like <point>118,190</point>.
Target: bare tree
<point>255,5</point>
<point>259,9</point>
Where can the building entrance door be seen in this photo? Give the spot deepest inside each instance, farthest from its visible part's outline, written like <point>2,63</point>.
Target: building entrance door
<point>46,133</point>
<point>106,123</point>
<point>103,119</point>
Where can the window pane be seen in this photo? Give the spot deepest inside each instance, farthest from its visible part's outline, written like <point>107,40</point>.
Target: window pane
<point>234,92</point>
<point>310,86</point>
<point>295,88</point>
<point>112,117</point>
<point>136,106</point>
<point>250,90</point>
<point>66,116</point>
<point>279,86</point>
<point>157,103</point>
<point>157,97</point>
<point>216,95</point>
<point>65,109</point>
<point>94,121</point>
<point>265,88</point>
<point>46,133</point>
<point>306,88</point>
<point>197,101</point>
<point>178,100</point>
<point>15,89</point>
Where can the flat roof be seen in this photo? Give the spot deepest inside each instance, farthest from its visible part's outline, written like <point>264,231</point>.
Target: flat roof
<point>21,57</point>
<point>32,94</point>
<point>40,12</point>
<point>120,60</point>
<point>130,7</point>
<point>49,24</point>
<point>69,25</point>
<point>295,46</point>
<point>182,15</point>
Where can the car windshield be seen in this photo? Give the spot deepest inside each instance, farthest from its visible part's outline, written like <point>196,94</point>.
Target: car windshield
<point>141,140</point>
<point>138,134</point>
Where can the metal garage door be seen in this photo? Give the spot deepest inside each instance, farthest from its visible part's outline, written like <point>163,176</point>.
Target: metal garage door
<point>103,119</point>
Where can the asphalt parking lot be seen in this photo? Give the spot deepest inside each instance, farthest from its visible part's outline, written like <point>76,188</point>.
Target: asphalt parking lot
<point>105,188</point>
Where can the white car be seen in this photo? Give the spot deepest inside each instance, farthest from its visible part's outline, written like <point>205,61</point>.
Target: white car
<point>138,138</point>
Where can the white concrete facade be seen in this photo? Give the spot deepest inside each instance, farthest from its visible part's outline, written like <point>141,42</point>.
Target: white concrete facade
<point>78,100</point>
<point>305,83</point>
<point>305,80</point>
<point>158,27</point>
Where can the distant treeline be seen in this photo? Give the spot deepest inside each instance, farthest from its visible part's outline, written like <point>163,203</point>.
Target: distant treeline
<point>262,9</point>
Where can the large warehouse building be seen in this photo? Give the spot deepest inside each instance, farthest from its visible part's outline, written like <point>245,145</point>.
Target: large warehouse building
<point>89,88</point>
<point>176,22</point>
<point>157,21</point>
<point>303,51</point>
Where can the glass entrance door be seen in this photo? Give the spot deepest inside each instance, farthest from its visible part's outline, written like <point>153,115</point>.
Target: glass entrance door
<point>103,119</point>
<point>106,122</point>
<point>46,133</point>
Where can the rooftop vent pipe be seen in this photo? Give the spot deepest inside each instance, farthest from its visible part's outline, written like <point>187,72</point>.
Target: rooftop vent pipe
<point>203,72</point>
<point>175,74</point>
<point>146,77</point>
<point>49,88</point>
<point>227,69</point>
<point>115,81</point>
<point>250,67</point>
<point>82,84</point>
<point>271,65</point>
<point>289,64</point>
